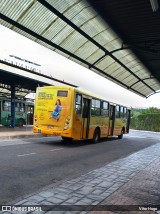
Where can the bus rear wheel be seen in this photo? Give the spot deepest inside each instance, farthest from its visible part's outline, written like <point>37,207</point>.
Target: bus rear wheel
<point>67,139</point>
<point>96,136</point>
<point>121,135</point>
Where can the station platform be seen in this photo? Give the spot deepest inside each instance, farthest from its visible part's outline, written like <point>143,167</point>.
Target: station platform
<point>7,133</point>
<point>127,185</point>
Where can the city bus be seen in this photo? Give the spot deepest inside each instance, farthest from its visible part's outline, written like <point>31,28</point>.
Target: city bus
<point>73,114</point>
<point>23,112</point>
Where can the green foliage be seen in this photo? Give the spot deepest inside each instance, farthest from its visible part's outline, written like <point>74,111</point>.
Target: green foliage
<point>146,119</point>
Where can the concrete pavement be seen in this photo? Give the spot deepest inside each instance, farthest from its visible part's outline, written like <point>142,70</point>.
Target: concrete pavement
<point>130,184</point>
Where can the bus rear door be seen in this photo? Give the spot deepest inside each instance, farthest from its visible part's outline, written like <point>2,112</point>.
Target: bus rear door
<point>85,117</point>
<point>111,119</point>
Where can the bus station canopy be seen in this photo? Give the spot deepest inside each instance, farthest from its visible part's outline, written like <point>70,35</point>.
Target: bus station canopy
<point>25,81</point>
<point>96,35</point>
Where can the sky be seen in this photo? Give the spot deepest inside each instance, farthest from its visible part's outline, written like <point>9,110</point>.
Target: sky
<point>59,67</point>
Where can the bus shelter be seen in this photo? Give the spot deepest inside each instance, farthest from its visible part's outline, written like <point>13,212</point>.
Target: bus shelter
<point>16,83</point>
<point>96,35</point>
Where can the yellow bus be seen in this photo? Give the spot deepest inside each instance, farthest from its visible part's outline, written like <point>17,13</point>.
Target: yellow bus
<point>73,114</point>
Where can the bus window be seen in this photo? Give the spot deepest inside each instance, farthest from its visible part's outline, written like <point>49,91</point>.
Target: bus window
<point>105,109</point>
<point>6,106</point>
<point>19,107</point>
<point>121,112</point>
<point>117,112</point>
<point>22,107</point>
<point>78,103</point>
<point>125,113</point>
<point>95,109</point>
<point>62,93</point>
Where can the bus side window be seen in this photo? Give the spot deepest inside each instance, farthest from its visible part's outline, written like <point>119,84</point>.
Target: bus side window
<point>121,112</point>
<point>95,109</point>
<point>17,107</point>
<point>117,111</point>
<point>105,109</point>
<point>22,107</point>
<point>125,113</point>
<point>78,103</point>
<point>6,106</point>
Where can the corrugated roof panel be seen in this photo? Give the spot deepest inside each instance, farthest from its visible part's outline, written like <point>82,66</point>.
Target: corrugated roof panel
<point>129,80</point>
<point>110,37</point>
<point>110,46</point>
<point>101,38</point>
<point>121,54</point>
<point>73,42</point>
<point>14,9</point>
<point>75,13</point>
<point>143,89</point>
<point>153,83</point>
<point>133,65</point>
<point>105,62</point>
<point>82,53</point>
<point>139,86</point>
<point>121,74</point>
<point>94,56</point>
<point>62,5</point>
<point>6,24</point>
<point>37,18</point>
<point>114,66</point>
<point>141,74</point>
<point>118,72</point>
<point>92,28</point>
<point>60,31</point>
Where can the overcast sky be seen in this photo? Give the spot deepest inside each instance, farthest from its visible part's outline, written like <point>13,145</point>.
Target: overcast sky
<point>62,68</point>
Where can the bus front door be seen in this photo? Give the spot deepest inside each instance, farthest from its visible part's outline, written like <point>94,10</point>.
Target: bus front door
<point>111,120</point>
<point>85,118</point>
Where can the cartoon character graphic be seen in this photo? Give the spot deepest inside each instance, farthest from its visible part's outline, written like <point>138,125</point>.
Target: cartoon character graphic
<point>57,109</point>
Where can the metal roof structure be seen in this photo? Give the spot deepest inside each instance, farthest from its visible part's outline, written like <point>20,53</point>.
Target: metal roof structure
<point>25,81</point>
<point>76,30</point>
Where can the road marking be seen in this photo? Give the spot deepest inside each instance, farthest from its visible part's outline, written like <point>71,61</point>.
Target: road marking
<point>55,149</point>
<point>26,154</point>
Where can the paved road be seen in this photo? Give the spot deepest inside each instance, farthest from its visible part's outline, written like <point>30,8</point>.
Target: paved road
<point>31,165</point>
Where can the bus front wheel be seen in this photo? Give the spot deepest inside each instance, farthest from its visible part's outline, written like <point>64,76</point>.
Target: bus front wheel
<point>96,136</point>
<point>121,135</point>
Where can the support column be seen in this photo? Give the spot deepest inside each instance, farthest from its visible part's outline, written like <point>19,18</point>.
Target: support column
<point>13,105</point>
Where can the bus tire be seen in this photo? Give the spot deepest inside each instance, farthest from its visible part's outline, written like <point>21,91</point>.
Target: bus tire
<point>121,135</point>
<point>20,122</point>
<point>96,136</point>
<point>67,139</point>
